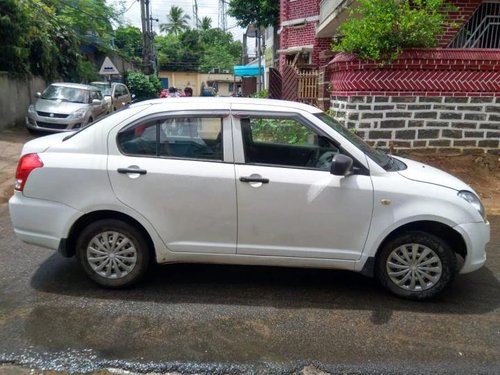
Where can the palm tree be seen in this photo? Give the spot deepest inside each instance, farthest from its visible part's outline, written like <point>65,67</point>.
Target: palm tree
<point>177,21</point>
<point>206,23</point>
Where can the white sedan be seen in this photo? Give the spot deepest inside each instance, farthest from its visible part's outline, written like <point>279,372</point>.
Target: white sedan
<point>243,181</point>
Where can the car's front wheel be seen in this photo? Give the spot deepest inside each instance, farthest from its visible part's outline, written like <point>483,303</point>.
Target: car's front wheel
<point>416,265</point>
<point>113,253</point>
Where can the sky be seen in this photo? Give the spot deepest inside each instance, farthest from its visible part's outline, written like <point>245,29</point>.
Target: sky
<point>160,9</point>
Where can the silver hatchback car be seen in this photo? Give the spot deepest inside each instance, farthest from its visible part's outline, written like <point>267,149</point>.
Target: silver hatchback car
<point>64,107</point>
<point>116,95</point>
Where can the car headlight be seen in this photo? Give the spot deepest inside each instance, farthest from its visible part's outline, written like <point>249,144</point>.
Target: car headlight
<point>474,201</point>
<point>78,114</point>
<point>31,110</point>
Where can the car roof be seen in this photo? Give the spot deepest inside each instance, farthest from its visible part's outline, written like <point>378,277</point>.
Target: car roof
<point>229,100</point>
<point>106,83</point>
<point>74,85</point>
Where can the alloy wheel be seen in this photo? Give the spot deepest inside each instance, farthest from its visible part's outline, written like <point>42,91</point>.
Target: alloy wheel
<point>414,267</point>
<point>111,254</point>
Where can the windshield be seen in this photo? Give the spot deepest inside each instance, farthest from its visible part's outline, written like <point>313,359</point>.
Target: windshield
<point>382,159</point>
<point>66,94</point>
<point>104,87</point>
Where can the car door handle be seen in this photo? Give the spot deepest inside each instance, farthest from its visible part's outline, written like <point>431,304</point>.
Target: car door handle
<point>132,170</point>
<point>254,179</point>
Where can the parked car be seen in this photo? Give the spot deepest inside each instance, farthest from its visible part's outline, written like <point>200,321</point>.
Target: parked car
<point>243,181</point>
<point>65,106</point>
<point>115,94</point>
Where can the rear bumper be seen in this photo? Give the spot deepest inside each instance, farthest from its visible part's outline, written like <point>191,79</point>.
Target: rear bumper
<point>40,222</point>
<point>476,236</point>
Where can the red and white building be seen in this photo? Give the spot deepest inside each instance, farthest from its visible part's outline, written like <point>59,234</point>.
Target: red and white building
<point>445,98</point>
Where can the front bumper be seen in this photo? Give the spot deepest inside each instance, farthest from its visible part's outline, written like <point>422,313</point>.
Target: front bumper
<point>52,124</point>
<point>476,236</point>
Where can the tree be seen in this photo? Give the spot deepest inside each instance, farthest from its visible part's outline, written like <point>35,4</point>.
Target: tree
<point>206,23</point>
<point>142,86</point>
<point>219,50</point>
<point>43,37</point>
<point>15,54</point>
<point>258,12</point>
<point>128,39</point>
<point>380,29</point>
<point>198,50</point>
<point>177,21</point>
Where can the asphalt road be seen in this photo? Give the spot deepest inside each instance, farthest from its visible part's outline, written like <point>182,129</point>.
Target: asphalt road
<point>252,320</point>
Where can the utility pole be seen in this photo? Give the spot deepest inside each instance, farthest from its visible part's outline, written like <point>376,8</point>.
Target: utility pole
<point>153,60</point>
<point>222,15</point>
<point>147,37</point>
<point>195,15</point>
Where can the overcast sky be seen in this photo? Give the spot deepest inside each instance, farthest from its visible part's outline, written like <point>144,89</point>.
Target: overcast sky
<point>160,9</point>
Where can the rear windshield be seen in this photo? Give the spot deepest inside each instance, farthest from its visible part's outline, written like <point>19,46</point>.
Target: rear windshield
<point>104,87</point>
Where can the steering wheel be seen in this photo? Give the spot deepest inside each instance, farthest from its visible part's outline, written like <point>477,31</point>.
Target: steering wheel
<point>325,160</point>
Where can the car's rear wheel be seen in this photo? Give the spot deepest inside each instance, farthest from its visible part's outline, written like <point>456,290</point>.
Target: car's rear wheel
<point>416,265</point>
<point>113,253</point>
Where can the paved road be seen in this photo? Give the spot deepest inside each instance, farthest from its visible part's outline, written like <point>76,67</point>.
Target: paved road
<point>224,319</point>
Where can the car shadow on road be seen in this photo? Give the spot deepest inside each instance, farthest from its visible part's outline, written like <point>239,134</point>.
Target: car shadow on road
<point>474,293</point>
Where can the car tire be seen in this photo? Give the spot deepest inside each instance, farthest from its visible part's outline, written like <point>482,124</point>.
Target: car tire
<point>113,253</point>
<point>416,265</point>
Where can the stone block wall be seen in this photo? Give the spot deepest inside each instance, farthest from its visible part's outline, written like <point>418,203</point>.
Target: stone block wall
<point>435,123</point>
<point>435,99</point>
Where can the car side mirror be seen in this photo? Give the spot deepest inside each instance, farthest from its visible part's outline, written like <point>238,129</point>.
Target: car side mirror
<point>38,95</point>
<point>96,102</point>
<point>341,165</point>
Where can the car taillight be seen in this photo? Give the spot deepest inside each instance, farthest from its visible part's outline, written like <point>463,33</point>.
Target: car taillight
<point>26,165</point>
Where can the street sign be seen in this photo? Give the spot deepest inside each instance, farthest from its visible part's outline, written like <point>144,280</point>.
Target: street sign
<point>108,67</point>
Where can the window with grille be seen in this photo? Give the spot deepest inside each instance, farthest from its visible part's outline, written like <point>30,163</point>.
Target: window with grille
<point>482,30</point>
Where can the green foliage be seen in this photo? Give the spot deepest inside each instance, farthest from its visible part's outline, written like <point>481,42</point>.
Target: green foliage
<point>87,71</point>
<point>156,84</point>
<point>279,131</point>
<point>43,37</point>
<point>206,23</point>
<point>142,86</point>
<point>218,50</point>
<point>128,39</point>
<point>380,29</point>
<point>262,94</point>
<point>14,56</point>
<point>259,12</point>
<point>197,50</point>
<point>177,21</point>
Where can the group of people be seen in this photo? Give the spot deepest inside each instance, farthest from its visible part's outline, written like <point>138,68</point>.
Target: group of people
<point>172,92</point>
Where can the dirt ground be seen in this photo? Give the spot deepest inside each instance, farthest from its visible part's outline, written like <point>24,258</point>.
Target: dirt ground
<point>481,171</point>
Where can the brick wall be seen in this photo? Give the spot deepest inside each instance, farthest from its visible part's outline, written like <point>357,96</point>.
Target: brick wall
<point>302,34</point>
<point>430,72</point>
<point>300,8</point>
<point>444,123</point>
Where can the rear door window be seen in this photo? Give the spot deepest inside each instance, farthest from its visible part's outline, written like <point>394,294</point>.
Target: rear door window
<point>191,137</point>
